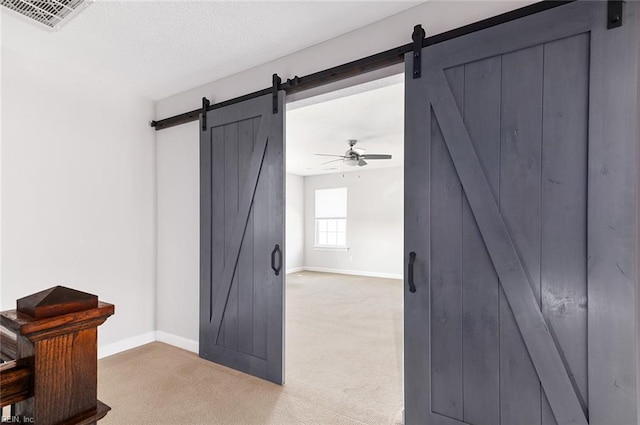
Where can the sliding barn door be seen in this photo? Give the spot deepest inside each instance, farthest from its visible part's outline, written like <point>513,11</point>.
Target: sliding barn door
<point>521,173</point>
<point>242,237</point>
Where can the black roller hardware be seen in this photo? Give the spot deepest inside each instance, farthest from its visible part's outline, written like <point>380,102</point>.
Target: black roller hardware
<point>274,92</point>
<point>275,251</point>
<point>412,259</point>
<point>205,108</point>
<point>418,38</point>
<point>614,14</point>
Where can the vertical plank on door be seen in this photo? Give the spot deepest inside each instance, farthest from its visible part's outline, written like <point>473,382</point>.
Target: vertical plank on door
<point>230,318</point>
<point>564,205</point>
<point>246,140</point>
<point>205,238</point>
<point>446,273</point>
<point>261,253</point>
<point>612,197</point>
<point>275,307</point>
<point>480,285</point>
<point>520,193</point>
<point>217,213</point>
<point>417,237</point>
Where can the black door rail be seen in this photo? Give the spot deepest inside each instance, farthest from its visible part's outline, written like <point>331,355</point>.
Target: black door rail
<point>383,59</point>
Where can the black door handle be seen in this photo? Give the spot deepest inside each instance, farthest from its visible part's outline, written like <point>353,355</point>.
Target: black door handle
<point>412,259</point>
<point>273,259</point>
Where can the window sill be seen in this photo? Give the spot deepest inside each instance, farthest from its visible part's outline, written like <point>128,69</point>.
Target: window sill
<point>331,248</point>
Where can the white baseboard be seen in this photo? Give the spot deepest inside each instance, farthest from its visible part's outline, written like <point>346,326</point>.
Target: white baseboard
<point>354,272</point>
<point>295,270</point>
<point>126,344</point>
<point>177,341</point>
<point>146,338</point>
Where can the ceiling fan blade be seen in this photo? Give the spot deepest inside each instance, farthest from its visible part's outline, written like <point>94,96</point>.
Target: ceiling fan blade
<point>326,154</point>
<point>333,160</point>
<point>361,162</point>
<point>375,156</point>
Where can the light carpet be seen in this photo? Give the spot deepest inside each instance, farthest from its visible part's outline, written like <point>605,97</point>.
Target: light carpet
<point>343,366</point>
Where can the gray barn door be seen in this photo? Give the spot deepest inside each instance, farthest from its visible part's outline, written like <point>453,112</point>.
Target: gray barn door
<point>242,237</point>
<point>520,204</point>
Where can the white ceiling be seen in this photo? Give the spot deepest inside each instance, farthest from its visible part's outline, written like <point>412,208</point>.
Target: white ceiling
<point>160,48</point>
<point>372,113</point>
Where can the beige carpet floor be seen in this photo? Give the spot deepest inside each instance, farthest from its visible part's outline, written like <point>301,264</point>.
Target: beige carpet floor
<point>343,364</point>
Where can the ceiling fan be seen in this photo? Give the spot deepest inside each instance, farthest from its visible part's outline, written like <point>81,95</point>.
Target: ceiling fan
<point>354,156</point>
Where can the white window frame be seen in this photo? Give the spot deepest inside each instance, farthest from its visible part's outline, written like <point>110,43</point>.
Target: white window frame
<point>331,222</point>
<point>333,227</point>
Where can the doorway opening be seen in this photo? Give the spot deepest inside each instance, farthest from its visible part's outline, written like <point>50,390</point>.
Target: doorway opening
<point>344,251</point>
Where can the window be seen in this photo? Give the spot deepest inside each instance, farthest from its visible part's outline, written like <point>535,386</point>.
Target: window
<point>331,218</point>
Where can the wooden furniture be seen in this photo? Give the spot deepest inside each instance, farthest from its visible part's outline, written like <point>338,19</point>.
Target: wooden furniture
<point>49,346</point>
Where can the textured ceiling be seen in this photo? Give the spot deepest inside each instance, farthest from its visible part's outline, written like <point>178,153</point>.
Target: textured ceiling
<point>372,113</point>
<point>160,48</point>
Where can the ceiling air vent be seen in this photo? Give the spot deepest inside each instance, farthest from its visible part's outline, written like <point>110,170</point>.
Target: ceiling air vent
<point>49,14</point>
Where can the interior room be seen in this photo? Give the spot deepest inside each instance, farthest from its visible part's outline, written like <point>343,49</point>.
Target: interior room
<point>200,222</point>
<point>344,239</point>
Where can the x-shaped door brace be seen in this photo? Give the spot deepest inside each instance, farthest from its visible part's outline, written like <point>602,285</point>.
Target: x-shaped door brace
<point>533,328</point>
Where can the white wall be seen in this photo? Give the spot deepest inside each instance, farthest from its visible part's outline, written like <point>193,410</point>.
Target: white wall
<point>178,238</point>
<point>78,194</point>
<point>178,189</point>
<point>375,201</point>
<point>295,222</point>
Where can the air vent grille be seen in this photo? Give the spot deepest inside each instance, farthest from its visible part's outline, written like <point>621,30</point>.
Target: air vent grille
<point>50,13</point>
